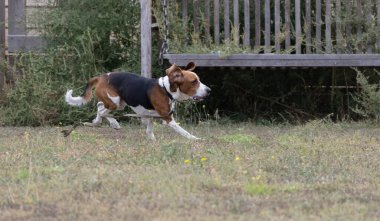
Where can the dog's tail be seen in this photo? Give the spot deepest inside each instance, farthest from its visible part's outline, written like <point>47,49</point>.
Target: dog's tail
<point>85,97</point>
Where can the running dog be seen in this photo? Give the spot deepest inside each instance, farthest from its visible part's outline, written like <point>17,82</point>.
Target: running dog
<point>147,97</point>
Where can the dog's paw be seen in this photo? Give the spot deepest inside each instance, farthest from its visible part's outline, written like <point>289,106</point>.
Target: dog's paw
<point>194,138</point>
<point>151,137</point>
<point>115,126</point>
<point>88,124</point>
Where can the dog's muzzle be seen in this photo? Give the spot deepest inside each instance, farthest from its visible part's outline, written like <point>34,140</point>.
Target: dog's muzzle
<point>206,92</point>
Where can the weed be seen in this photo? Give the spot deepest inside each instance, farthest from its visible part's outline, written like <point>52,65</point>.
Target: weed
<point>241,139</point>
<point>259,189</point>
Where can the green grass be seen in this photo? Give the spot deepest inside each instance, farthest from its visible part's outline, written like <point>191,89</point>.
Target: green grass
<point>317,171</point>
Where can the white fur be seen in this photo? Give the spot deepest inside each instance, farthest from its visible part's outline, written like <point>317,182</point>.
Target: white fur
<point>149,127</point>
<point>74,101</point>
<point>103,112</point>
<point>181,131</point>
<point>202,90</point>
<point>140,110</point>
<point>177,95</point>
<point>115,100</point>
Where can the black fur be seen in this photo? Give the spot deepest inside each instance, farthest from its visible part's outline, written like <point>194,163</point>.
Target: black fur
<point>133,89</point>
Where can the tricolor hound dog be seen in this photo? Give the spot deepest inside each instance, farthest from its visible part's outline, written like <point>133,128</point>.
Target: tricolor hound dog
<point>146,96</point>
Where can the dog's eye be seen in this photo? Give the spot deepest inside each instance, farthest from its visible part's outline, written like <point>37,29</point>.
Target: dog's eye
<point>194,82</point>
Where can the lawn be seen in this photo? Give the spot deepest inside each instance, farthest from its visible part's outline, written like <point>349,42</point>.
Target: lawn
<point>316,171</point>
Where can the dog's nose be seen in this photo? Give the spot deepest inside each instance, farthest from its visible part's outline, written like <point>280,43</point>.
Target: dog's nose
<point>208,90</point>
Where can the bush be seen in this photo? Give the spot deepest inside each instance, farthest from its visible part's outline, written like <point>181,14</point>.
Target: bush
<point>368,98</point>
<point>84,38</point>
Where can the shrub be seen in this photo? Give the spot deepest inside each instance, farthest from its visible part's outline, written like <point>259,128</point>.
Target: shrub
<point>368,98</point>
<point>83,38</point>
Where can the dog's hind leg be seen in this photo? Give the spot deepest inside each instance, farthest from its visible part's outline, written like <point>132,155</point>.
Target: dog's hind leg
<point>113,123</point>
<point>149,127</point>
<point>103,112</point>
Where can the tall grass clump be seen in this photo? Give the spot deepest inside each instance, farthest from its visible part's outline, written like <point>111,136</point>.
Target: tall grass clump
<point>368,98</point>
<point>83,38</point>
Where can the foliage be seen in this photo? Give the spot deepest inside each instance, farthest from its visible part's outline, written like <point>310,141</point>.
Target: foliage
<point>368,98</point>
<point>84,39</point>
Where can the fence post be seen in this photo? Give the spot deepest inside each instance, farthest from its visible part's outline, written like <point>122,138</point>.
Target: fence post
<point>146,38</point>
<point>17,18</point>
<point>2,44</point>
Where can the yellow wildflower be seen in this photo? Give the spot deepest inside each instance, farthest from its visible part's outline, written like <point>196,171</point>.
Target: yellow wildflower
<point>187,161</point>
<point>203,159</point>
<point>237,158</point>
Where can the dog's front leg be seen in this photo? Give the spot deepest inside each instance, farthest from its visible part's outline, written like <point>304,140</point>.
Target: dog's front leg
<point>181,131</point>
<point>149,128</point>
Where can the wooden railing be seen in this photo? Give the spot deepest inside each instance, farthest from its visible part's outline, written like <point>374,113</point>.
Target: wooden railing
<point>349,29</point>
<point>309,26</point>
<point>18,37</point>
<point>16,34</point>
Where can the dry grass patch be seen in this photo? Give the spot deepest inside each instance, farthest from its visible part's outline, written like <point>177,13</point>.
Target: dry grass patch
<point>318,171</point>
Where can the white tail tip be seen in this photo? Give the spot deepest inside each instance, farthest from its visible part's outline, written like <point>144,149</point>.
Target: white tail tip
<point>73,101</point>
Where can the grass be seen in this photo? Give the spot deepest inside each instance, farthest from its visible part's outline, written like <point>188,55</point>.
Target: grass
<point>317,171</point>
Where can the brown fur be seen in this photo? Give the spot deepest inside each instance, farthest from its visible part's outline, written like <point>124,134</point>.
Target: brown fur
<point>160,102</point>
<point>101,89</point>
<point>187,86</point>
<point>183,79</point>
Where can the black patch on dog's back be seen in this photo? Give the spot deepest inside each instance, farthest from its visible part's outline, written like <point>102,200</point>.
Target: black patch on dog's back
<point>133,89</point>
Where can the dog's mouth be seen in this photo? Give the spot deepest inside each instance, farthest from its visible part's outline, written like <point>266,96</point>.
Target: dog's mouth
<point>198,98</point>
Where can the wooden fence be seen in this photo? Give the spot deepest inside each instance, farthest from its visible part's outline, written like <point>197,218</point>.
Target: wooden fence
<point>287,32</point>
<point>16,33</point>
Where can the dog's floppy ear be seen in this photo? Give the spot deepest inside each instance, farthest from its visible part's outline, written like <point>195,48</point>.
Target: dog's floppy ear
<point>190,66</point>
<point>175,77</point>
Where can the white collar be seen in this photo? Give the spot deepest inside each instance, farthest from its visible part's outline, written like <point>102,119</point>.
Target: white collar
<point>164,82</point>
<point>177,95</point>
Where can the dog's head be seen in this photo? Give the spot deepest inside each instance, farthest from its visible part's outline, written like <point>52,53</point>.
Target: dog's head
<point>186,83</point>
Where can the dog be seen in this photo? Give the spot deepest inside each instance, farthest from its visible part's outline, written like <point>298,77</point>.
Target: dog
<point>147,97</point>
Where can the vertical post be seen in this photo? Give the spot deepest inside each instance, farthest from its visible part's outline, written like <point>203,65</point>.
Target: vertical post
<point>287,24</point>
<point>257,24</point>
<point>359,25</point>
<point>17,18</point>
<point>328,26</point>
<point>348,25</point>
<point>226,20</point>
<point>2,42</point>
<point>267,26</point>
<point>216,22</point>
<point>378,25</point>
<point>277,25</point>
<point>339,36</point>
<point>298,27</point>
<point>318,23</point>
<point>207,21</point>
<point>16,26</point>
<point>236,30</point>
<point>146,38</point>
<point>196,16</point>
<point>185,18</point>
<point>246,23</point>
<point>184,14</point>
<point>308,26</point>
<point>369,14</point>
